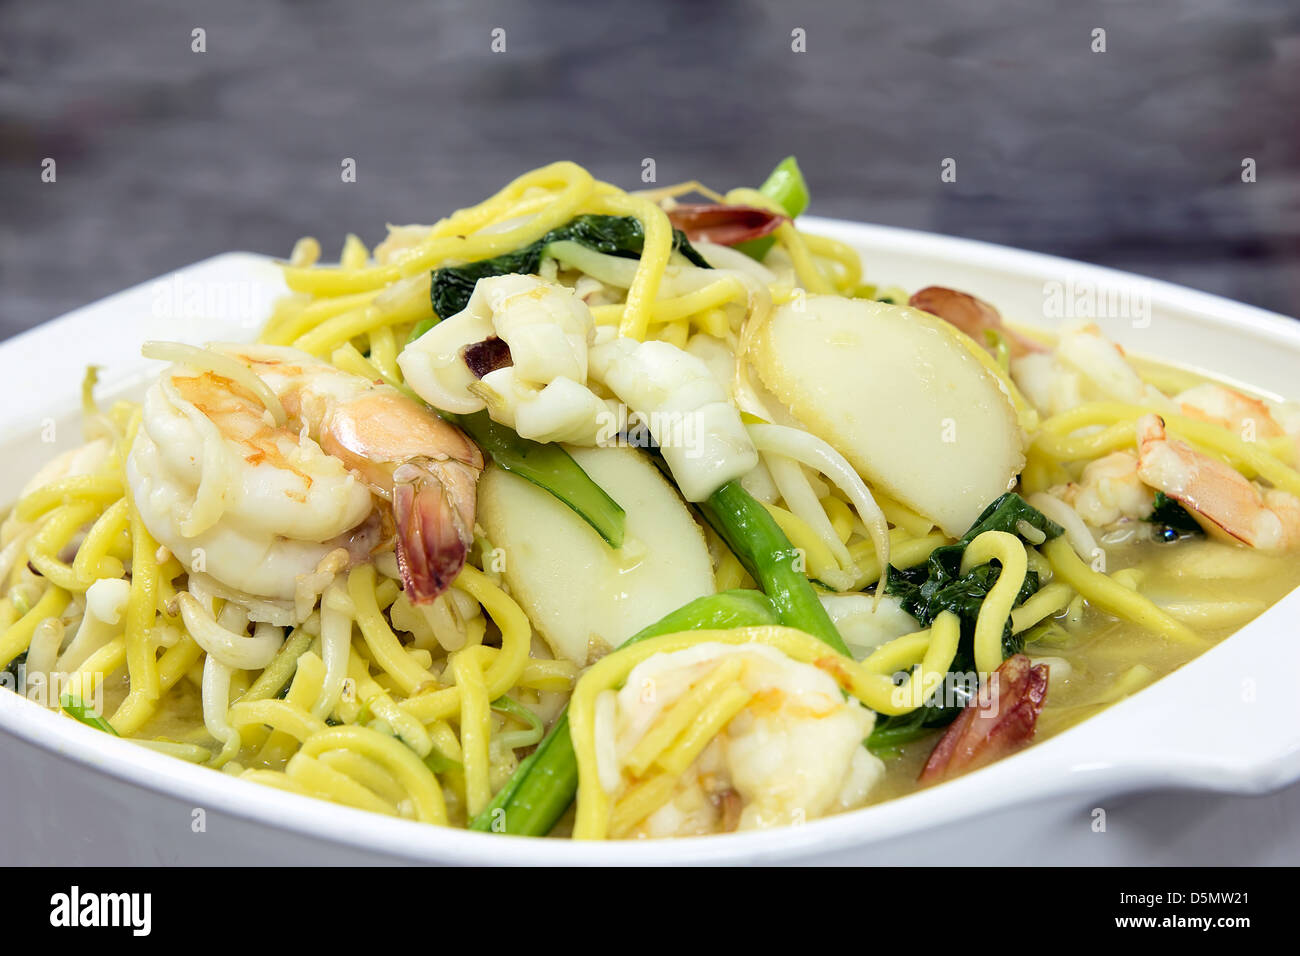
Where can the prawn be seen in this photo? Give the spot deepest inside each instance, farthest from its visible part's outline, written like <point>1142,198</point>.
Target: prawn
<point>790,751</point>
<point>972,316</point>
<point>1251,418</point>
<point>1109,490</point>
<point>258,505</point>
<point>1219,497</point>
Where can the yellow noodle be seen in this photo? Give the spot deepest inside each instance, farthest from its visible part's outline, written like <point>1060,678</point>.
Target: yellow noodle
<point>1116,599</point>
<point>92,560</point>
<point>349,359</point>
<point>283,311</point>
<point>373,696</point>
<point>141,611</point>
<point>683,712</point>
<point>53,537</point>
<point>657,247</point>
<point>730,573</point>
<point>1093,444</point>
<point>1252,458</point>
<point>507,665</point>
<point>900,515</point>
<point>640,801</point>
<point>137,708</point>
<point>548,675</point>
<point>1049,600</point>
<point>407,301</point>
<point>995,609</point>
<point>355,255</point>
<point>475,726</point>
<point>383,352</point>
<point>721,292</point>
<point>279,715</point>
<point>846,257</point>
<point>820,562</point>
<point>451,241</point>
<point>810,274</point>
<point>369,773</point>
<point>100,489</point>
<point>313,315</point>
<point>904,552</point>
<point>900,654</point>
<point>675,333</point>
<point>417,779</point>
<point>448,745</point>
<point>716,714</point>
<point>306,252</point>
<point>335,785</point>
<point>19,634</point>
<point>308,677</point>
<point>277,779</point>
<point>841,516</point>
<point>97,668</point>
<point>384,646</point>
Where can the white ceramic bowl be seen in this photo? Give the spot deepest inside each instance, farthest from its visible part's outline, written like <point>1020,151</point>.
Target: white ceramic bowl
<point>1228,722</point>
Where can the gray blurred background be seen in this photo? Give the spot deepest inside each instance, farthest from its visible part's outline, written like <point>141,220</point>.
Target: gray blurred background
<point>1131,157</point>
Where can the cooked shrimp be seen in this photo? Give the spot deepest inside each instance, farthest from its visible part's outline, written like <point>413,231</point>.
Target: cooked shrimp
<point>1249,417</point>
<point>791,752</point>
<point>257,506</point>
<point>1084,366</point>
<point>1221,499</point>
<point>1104,366</point>
<point>973,316</point>
<point>1108,490</point>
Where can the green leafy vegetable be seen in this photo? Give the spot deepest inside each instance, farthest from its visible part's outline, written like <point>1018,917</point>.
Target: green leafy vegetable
<point>544,784</point>
<point>1169,514</point>
<point>891,734</point>
<point>75,707</point>
<point>938,585</point>
<point>549,467</point>
<point>451,286</point>
<point>786,187</point>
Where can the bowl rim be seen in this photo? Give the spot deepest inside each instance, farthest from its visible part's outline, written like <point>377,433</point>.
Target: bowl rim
<point>1092,757</point>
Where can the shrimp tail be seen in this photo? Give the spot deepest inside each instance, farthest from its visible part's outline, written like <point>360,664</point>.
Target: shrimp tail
<point>972,316</point>
<point>432,536</point>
